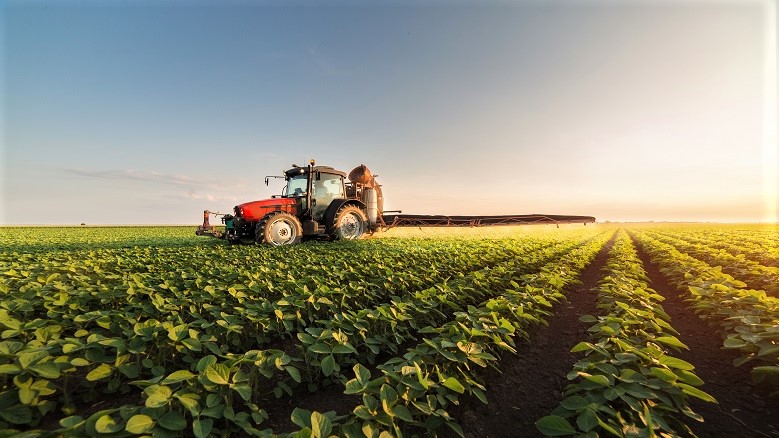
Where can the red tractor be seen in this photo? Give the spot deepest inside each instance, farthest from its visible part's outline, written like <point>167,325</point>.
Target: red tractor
<point>317,201</point>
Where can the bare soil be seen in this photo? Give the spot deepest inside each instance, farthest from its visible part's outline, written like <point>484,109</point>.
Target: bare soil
<point>330,398</point>
<point>529,384</point>
<point>742,410</point>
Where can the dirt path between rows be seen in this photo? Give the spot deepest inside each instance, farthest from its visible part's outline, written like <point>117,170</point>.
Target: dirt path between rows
<point>530,383</point>
<point>743,411</point>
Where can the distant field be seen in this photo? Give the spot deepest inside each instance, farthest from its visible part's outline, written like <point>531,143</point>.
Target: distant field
<point>604,328</point>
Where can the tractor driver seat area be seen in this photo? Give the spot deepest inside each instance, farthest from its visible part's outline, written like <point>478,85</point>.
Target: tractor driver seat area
<point>325,190</point>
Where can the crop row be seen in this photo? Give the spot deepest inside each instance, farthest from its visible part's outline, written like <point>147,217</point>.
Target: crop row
<point>754,274</point>
<point>627,383</point>
<point>53,239</point>
<point>748,319</point>
<point>764,252</point>
<point>763,235</point>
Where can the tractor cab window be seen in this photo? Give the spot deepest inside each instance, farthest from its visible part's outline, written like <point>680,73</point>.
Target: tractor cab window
<point>297,186</point>
<point>328,185</point>
<point>326,188</point>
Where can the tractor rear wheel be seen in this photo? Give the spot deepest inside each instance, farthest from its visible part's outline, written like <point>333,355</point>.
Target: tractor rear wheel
<point>279,229</point>
<point>350,223</point>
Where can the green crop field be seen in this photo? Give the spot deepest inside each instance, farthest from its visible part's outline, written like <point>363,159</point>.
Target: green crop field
<point>153,331</point>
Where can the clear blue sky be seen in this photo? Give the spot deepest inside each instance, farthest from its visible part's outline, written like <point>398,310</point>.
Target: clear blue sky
<point>150,112</point>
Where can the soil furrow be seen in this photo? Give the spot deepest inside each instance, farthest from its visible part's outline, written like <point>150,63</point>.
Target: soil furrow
<point>743,410</point>
<point>529,384</point>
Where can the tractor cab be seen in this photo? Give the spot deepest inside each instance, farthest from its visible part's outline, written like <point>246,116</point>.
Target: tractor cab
<point>315,188</point>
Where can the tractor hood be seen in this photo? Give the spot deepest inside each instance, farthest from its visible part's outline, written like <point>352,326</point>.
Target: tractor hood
<point>256,210</point>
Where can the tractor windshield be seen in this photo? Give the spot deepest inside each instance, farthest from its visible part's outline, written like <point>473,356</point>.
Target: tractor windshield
<point>297,185</point>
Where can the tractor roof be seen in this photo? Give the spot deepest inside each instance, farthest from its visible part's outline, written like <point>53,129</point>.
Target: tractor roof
<point>302,170</point>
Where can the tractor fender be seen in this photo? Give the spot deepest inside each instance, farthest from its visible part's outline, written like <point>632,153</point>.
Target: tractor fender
<point>336,205</point>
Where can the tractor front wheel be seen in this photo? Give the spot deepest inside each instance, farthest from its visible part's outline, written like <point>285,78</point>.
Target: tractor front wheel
<point>350,223</point>
<point>279,229</point>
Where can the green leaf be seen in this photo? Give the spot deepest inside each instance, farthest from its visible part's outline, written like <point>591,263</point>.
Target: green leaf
<point>216,412</point>
<point>663,374</point>
<point>106,424</point>
<point>587,420</point>
<point>189,401</point>
<point>203,363</point>
<point>10,368</point>
<point>673,362</point>
<point>301,417</point>
<point>218,373</point>
<point>574,403</point>
<point>71,422</point>
<point>388,395</point>
<point>768,350</point>
<point>213,400</point>
<point>320,348</point>
<point>244,390</point>
<point>597,378</point>
<point>695,392</point>
<point>328,365</point>
<point>139,424</point>
<point>101,372</point>
<point>370,430</point>
<point>403,413</point>
<point>294,373</point>
<point>454,385</point>
<point>158,396</point>
<point>553,425</point>
<point>17,414</point>
<point>27,359</point>
<point>79,362</point>
<point>320,425</point>
<point>202,428</point>
<point>353,387</point>
<point>363,374</point>
<point>47,370</point>
<point>672,341</point>
<point>582,346</point>
<point>172,421</point>
<point>766,369</point>
<point>343,349</point>
<point>177,376</point>
<point>178,333</point>
<point>192,344</point>
<point>689,377</point>
<point>734,343</point>
<point>27,396</point>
